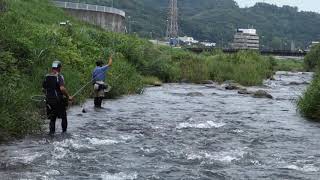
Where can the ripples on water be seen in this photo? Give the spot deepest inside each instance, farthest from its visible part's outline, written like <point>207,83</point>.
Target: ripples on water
<point>168,134</point>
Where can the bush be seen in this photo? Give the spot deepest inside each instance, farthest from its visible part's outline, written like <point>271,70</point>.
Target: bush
<point>309,103</point>
<point>289,65</point>
<point>124,78</point>
<point>247,68</point>
<point>18,117</point>
<point>194,69</point>
<point>312,59</point>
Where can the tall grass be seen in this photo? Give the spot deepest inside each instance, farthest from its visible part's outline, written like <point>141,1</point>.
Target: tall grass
<point>309,103</point>
<point>247,68</point>
<point>290,65</point>
<point>31,38</point>
<point>312,59</point>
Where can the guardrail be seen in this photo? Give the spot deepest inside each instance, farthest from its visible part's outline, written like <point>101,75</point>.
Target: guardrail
<point>263,52</point>
<point>89,7</point>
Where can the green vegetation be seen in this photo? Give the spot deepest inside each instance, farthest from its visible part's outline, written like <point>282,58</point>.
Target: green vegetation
<point>31,38</point>
<point>151,80</point>
<point>312,59</point>
<point>309,103</point>
<point>289,65</point>
<point>216,20</point>
<point>247,68</point>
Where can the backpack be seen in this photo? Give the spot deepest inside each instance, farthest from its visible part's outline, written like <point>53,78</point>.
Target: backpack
<point>51,85</point>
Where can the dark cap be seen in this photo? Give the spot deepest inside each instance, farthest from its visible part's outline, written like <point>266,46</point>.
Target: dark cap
<point>99,63</point>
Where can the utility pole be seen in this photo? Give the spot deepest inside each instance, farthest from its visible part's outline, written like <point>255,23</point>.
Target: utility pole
<point>172,22</point>
<point>293,46</point>
<point>129,21</point>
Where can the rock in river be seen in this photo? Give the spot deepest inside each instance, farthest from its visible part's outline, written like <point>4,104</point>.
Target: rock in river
<point>298,83</point>
<point>262,94</point>
<point>245,91</point>
<point>234,86</point>
<point>207,82</point>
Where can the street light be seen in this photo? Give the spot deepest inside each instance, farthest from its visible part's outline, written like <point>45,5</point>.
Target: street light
<point>151,34</point>
<point>166,31</point>
<point>129,24</point>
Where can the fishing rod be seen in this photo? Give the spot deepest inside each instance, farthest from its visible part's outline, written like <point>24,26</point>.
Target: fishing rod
<point>42,98</point>
<point>82,88</point>
<point>89,82</point>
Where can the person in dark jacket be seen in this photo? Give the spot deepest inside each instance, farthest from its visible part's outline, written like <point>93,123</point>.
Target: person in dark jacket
<point>57,97</point>
<point>99,78</point>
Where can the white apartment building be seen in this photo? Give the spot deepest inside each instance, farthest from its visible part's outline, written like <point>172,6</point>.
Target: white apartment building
<point>246,39</point>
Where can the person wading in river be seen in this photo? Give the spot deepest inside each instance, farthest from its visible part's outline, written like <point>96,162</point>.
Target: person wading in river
<point>57,97</point>
<point>99,77</point>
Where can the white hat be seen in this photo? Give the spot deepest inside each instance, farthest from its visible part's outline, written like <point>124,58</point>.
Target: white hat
<point>56,64</point>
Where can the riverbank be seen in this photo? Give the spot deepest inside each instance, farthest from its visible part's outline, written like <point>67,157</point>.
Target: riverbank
<point>31,38</point>
<point>309,103</point>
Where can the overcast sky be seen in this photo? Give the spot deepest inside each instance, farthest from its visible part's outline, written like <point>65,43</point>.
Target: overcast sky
<point>305,5</point>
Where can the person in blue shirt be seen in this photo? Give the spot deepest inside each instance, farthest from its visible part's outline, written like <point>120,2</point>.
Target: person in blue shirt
<point>99,78</point>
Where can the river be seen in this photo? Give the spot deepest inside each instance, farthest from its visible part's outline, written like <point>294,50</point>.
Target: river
<point>168,133</point>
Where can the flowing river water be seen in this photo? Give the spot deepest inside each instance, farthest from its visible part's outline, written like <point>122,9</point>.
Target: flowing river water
<point>171,132</point>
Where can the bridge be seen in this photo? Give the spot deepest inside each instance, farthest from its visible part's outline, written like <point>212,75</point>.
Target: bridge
<point>263,52</point>
<point>109,18</point>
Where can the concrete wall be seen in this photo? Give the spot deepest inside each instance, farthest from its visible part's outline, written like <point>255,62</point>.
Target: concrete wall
<point>110,19</point>
<point>2,6</point>
<point>109,22</point>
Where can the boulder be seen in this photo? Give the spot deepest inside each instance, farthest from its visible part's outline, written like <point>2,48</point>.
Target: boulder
<point>207,82</point>
<point>157,83</point>
<point>245,91</point>
<point>262,94</point>
<point>294,83</point>
<point>234,86</point>
<point>298,83</point>
<point>210,86</point>
<point>185,81</point>
<point>272,78</point>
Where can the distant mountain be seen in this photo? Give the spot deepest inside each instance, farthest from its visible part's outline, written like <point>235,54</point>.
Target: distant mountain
<point>217,20</point>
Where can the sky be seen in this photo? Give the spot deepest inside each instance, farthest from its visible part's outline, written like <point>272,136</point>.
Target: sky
<point>304,5</point>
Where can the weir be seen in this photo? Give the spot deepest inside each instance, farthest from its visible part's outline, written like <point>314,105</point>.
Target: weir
<point>109,18</point>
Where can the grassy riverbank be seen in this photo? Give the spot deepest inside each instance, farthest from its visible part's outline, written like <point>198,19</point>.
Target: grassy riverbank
<point>309,103</point>
<point>31,38</point>
<point>289,65</point>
